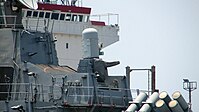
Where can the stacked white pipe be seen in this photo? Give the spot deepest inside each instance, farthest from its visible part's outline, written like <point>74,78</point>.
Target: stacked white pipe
<point>159,103</point>
<point>137,103</point>
<point>178,99</point>
<point>150,103</point>
<point>166,104</point>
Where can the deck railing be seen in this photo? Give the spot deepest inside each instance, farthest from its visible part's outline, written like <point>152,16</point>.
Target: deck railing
<point>8,21</point>
<point>109,18</point>
<point>24,91</point>
<point>72,95</point>
<point>78,3</point>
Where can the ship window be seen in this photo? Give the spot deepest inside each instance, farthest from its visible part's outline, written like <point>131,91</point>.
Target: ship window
<point>41,14</point>
<point>29,13</point>
<point>80,18</point>
<point>66,45</point>
<point>35,13</point>
<point>68,17</point>
<point>86,19</point>
<point>74,18</point>
<point>47,15</point>
<point>55,16</point>
<point>62,16</point>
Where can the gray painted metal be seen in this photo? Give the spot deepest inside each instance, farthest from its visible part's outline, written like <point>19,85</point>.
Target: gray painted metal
<point>38,86</point>
<point>6,48</point>
<point>38,47</point>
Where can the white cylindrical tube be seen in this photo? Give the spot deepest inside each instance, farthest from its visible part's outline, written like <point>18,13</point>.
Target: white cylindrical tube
<point>177,96</point>
<point>140,98</point>
<point>153,99</point>
<point>132,108</point>
<point>161,106</point>
<point>145,108</point>
<point>137,103</point>
<point>175,106</point>
<point>164,96</point>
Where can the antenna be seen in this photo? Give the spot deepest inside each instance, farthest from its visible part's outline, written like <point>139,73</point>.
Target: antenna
<point>32,4</point>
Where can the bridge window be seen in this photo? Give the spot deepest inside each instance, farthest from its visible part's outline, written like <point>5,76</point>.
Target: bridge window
<point>80,18</point>
<point>68,17</point>
<point>55,16</point>
<point>66,45</point>
<point>35,13</point>
<point>86,18</point>
<point>41,14</point>
<point>47,15</point>
<point>29,13</point>
<point>74,18</point>
<point>62,16</point>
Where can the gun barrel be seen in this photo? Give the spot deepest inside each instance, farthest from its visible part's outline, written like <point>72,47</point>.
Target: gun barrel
<point>110,64</point>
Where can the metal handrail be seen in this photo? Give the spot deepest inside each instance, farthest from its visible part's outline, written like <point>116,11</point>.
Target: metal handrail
<point>28,92</point>
<point>109,97</point>
<point>112,97</point>
<point>84,93</point>
<point>107,17</point>
<point>5,17</point>
<point>79,2</point>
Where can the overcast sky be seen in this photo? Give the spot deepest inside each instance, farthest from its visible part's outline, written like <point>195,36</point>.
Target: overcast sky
<point>164,33</point>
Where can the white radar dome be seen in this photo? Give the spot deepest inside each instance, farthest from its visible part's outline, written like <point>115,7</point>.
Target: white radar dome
<point>90,43</point>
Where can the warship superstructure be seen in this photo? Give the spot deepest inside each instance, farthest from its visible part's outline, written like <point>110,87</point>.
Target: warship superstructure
<point>66,23</point>
<point>31,76</point>
<point>34,76</point>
